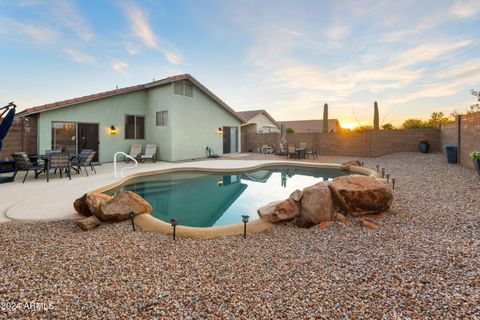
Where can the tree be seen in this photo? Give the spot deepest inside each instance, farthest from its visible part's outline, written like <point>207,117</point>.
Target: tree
<point>388,126</point>
<point>476,106</point>
<point>413,124</point>
<point>362,128</point>
<point>376,116</point>
<point>325,118</point>
<point>437,119</point>
<point>290,130</point>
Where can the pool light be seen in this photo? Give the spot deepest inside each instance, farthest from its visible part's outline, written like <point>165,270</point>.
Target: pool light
<point>245,220</point>
<point>173,222</point>
<point>131,214</point>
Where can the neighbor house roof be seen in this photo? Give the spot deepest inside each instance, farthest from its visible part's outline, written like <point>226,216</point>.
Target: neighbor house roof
<point>311,125</point>
<point>105,94</point>
<point>250,114</point>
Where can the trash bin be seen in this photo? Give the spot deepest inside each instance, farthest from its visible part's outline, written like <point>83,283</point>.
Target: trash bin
<point>451,151</point>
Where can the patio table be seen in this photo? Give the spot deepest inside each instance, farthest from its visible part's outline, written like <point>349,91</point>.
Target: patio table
<point>300,152</point>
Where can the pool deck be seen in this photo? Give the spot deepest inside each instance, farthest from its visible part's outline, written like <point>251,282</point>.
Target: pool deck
<point>37,200</point>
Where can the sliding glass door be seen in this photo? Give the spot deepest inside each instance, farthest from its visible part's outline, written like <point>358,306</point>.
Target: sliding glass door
<point>64,136</point>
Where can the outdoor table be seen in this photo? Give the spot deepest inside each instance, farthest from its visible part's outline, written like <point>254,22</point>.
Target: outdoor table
<point>300,152</point>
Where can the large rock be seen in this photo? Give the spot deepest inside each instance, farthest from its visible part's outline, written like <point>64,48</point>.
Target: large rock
<point>317,204</point>
<point>118,208</point>
<point>279,211</point>
<point>88,223</point>
<point>94,200</point>
<point>81,206</point>
<point>360,195</point>
<point>349,164</point>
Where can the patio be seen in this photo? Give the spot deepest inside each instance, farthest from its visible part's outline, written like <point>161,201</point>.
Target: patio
<point>422,262</point>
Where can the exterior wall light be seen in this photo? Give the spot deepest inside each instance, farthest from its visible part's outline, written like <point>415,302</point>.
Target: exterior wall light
<point>220,131</point>
<point>113,130</point>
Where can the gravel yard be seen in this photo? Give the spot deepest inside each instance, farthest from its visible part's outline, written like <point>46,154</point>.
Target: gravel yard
<point>422,262</point>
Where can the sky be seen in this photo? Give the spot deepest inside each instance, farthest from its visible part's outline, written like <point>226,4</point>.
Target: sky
<point>288,57</point>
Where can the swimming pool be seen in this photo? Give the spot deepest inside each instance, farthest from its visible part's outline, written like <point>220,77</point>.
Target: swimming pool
<point>206,199</point>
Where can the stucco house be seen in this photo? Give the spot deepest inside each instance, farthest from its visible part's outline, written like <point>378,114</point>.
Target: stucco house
<point>177,113</point>
<point>306,126</point>
<point>258,121</point>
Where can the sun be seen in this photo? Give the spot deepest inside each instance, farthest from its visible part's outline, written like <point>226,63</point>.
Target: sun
<point>349,125</point>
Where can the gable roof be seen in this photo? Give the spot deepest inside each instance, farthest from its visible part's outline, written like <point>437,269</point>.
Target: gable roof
<point>250,114</point>
<point>105,94</point>
<point>311,125</point>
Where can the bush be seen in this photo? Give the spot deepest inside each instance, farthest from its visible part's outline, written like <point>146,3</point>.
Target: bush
<point>290,130</point>
<point>475,155</point>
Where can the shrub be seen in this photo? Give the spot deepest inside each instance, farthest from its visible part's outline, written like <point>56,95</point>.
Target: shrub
<point>290,130</point>
<point>475,155</point>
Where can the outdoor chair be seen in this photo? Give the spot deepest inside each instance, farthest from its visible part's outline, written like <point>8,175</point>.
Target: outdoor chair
<point>84,160</point>
<point>150,153</point>
<point>312,152</point>
<point>135,152</point>
<point>292,151</point>
<point>23,163</point>
<point>59,161</point>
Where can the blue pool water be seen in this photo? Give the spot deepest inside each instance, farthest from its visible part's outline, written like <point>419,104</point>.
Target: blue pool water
<point>200,199</point>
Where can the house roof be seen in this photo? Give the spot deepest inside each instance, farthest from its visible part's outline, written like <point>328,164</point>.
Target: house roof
<point>250,114</point>
<point>311,125</point>
<point>105,94</point>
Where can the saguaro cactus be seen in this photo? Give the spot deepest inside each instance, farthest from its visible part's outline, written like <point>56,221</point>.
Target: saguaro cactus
<point>325,118</point>
<point>376,117</point>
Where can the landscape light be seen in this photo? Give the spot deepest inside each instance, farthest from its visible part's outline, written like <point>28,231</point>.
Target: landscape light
<point>245,220</point>
<point>173,222</point>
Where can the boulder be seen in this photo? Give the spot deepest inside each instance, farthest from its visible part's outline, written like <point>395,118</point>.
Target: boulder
<point>317,204</point>
<point>360,195</point>
<point>118,208</point>
<point>324,225</point>
<point>94,200</point>
<point>301,222</point>
<point>88,223</point>
<point>279,211</point>
<point>81,206</point>
<point>352,163</point>
<point>296,195</point>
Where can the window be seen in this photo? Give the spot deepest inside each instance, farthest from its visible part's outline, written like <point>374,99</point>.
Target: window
<point>189,89</point>
<point>162,118</point>
<point>134,127</point>
<point>183,88</point>
<point>178,88</point>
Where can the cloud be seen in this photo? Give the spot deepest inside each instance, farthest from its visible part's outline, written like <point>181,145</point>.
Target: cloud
<point>26,32</point>
<point>337,32</point>
<point>428,52</point>
<point>119,65</point>
<point>132,49</point>
<point>465,8</point>
<point>79,56</point>
<point>69,14</point>
<point>141,27</point>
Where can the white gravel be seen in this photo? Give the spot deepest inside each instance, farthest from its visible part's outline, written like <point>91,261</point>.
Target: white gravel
<point>422,262</point>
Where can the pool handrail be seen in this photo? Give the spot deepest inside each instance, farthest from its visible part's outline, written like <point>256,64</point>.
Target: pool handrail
<point>125,168</point>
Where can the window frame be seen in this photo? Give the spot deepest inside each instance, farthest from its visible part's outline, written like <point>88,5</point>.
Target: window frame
<point>164,119</point>
<point>135,116</point>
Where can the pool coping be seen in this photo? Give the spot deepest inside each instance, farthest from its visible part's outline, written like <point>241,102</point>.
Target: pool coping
<point>146,222</point>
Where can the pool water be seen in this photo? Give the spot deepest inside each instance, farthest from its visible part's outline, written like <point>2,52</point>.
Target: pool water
<point>202,199</point>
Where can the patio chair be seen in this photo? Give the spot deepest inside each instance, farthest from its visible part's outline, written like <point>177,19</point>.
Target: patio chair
<point>135,152</point>
<point>150,153</point>
<point>84,160</point>
<point>23,163</point>
<point>292,151</point>
<point>312,152</point>
<point>59,161</point>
